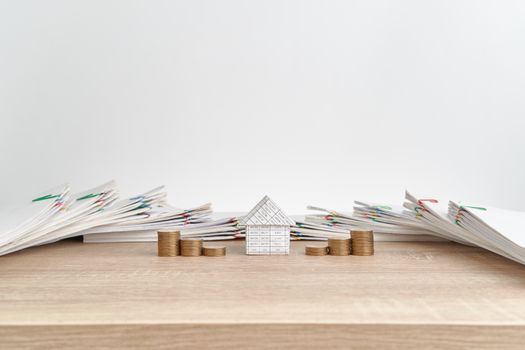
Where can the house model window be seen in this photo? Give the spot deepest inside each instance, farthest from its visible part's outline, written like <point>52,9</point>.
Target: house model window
<point>267,229</point>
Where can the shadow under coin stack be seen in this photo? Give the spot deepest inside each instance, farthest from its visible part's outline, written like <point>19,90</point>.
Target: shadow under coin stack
<point>362,242</point>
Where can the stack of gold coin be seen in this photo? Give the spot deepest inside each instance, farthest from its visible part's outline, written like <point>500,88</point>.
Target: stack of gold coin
<point>316,250</point>
<point>339,246</point>
<point>190,247</point>
<point>362,242</point>
<point>168,243</point>
<point>214,251</point>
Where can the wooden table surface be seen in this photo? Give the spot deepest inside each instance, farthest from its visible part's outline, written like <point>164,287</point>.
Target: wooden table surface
<point>409,295</point>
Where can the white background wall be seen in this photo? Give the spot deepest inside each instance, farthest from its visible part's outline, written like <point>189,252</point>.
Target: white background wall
<point>311,102</point>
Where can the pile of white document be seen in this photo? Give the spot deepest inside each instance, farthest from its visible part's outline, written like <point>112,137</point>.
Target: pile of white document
<point>57,214</point>
<point>29,218</point>
<point>498,230</point>
<point>308,231</point>
<point>420,218</point>
<point>389,223</point>
<point>100,216</point>
<point>494,229</point>
<point>70,213</point>
<point>212,230</point>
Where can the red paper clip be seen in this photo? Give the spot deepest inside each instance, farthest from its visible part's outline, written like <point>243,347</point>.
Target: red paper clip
<point>420,201</point>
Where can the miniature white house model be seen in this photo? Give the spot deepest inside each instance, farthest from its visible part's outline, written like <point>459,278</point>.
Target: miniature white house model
<point>267,229</point>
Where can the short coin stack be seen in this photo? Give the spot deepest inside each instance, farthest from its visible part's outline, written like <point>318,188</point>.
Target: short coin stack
<point>362,242</point>
<point>168,243</point>
<point>316,250</point>
<point>190,247</point>
<point>338,246</point>
<point>214,251</point>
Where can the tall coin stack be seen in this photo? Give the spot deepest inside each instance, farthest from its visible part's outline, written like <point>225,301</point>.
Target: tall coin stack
<point>362,242</point>
<point>168,243</point>
<point>338,246</point>
<point>190,247</point>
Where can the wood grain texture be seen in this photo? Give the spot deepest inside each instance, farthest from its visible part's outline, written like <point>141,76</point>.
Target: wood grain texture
<point>408,295</point>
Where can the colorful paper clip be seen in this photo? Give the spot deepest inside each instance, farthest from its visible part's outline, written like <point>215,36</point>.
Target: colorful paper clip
<point>420,201</point>
<point>90,196</point>
<point>473,207</point>
<point>49,196</point>
<point>418,210</point>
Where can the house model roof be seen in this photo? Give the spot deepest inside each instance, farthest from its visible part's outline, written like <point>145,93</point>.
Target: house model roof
<point>266,212</point>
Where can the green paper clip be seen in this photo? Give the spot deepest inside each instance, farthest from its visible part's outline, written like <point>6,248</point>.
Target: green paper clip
<point>89,196</point>
<point>43,198</point>
<point>472,207</point>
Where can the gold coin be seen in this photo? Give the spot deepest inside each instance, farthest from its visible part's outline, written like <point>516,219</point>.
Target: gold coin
<point>338,246</point>
<point>190,247</point>
<point>168,243</point>
<point>214,251</point>
<point>362,242</point>
<point>316,250</point>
